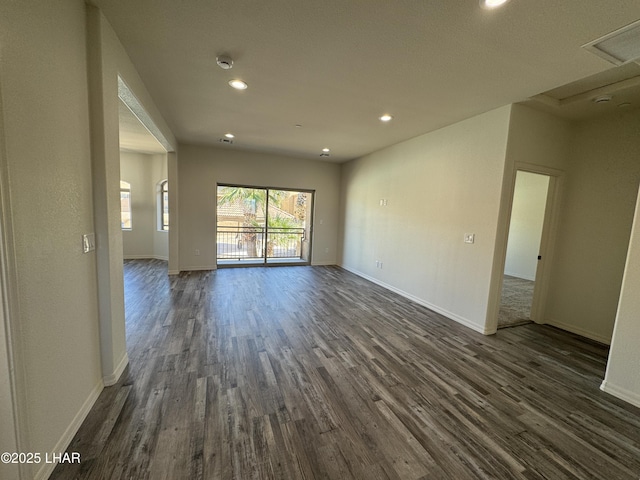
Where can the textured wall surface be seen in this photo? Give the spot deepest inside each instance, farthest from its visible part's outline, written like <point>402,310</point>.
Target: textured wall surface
<point>199,171</point>
<point>437,188</point>
<point>45,102</point>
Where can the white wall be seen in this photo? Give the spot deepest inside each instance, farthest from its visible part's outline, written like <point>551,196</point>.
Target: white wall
<point>525,229</point>
<point>602,177</point>
<point>8,440</point>
<point>438,187</point>
<point>108,61</point>
<point>46,120</point>
<point>540,142</point>
<point>622,378</point>
<point>8,395</point>
<point>201,168</point>
<point>144,172</point>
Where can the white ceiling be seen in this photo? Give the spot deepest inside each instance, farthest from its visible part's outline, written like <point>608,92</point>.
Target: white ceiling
<point>334,66</point>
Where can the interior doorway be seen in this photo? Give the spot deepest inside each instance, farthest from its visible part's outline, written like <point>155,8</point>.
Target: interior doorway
<point>263,226</point>
<point>524,254</point>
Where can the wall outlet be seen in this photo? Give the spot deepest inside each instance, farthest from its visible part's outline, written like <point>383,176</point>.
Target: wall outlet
<point>469,238</point>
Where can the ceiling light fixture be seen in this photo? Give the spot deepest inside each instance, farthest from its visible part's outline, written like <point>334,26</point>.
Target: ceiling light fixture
<point>238,84</point>
<point>386,118</point>
<point>326,150</point>
<point>491,4</point>
<point>229,135</point>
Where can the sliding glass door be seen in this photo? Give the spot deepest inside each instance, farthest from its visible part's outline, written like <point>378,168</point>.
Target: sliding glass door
<point>263,226</point>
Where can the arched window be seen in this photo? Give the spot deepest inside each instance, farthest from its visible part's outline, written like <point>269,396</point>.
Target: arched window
<point>163,205</point>
<point>125,205</point>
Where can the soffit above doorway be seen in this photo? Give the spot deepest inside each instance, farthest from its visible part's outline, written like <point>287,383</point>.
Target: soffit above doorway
<point>578,100</point>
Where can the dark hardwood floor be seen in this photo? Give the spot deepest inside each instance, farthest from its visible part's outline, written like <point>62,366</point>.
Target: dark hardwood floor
<point>313,372</point>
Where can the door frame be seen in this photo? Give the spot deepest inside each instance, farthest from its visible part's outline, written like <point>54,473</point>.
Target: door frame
<point>547,244</point>
<point>265,262</point>
<point>13,366</point>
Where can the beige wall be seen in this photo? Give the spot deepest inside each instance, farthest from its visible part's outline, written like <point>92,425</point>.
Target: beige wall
<point>622,378</point>
<point>597,160</point>
<point>60,179</point>
<point>601,184</point>
<point>8,440</point>
<point>45,106</point>
<point>537,142</point>
<point>437,187</point>
<point>108,61</point>
<point>144,172</point>
<point>201,168</point>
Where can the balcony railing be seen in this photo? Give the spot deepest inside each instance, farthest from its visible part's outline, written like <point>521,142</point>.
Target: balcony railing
<point>249,242</point>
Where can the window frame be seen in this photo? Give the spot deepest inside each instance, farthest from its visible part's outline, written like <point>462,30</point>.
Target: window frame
<point>125,188</point>
<point>163,206</point>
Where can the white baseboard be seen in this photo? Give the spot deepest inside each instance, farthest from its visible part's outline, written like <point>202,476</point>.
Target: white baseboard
<point>622,393</point>
<point>115,376</point>
<point>173,272</point>
<point>47,468</point>
<point>579,331</point>
<point>517,275</point>
<point>452,316</point>
<point>201,268</point>
<point>145,257</point>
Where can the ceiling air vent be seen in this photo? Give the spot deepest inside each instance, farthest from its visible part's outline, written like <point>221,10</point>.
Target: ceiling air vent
<point>619,47</point>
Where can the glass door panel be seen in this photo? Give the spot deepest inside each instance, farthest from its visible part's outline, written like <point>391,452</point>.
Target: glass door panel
<point>289,226</point>
<point>262,225</point>
<point>241,222</point>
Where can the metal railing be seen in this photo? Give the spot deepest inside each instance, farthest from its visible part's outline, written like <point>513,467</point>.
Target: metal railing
<point>249,242</point>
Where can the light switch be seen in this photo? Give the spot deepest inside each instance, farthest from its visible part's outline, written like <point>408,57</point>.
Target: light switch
<point>88,242</point>
<point>469,237</point>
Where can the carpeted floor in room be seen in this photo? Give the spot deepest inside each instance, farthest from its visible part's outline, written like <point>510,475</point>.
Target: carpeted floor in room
<point>515,303</point>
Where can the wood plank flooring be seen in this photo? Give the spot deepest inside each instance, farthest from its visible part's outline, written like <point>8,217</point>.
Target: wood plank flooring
<point>315,373</point>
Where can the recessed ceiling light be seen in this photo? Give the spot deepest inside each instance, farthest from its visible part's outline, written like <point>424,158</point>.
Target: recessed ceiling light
<point>625,105</point>
<point>326,150</point>
<point>386,117</point>
<point>238,84</point>
<point>229,135</point>
<point>491,4</point>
